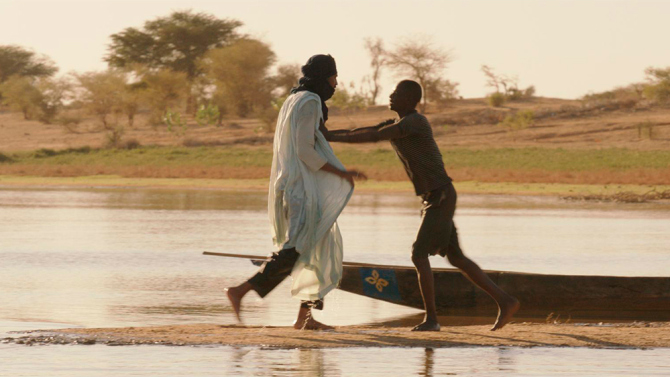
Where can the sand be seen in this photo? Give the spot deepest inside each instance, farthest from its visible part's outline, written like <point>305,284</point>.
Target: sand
<point>628,335</point>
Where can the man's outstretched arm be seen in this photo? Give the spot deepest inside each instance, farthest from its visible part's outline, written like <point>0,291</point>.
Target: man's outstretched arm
<point>329,133</point>
<point>383,131</point>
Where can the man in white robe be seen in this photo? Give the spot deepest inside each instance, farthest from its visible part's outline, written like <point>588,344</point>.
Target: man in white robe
<point>309,188</point>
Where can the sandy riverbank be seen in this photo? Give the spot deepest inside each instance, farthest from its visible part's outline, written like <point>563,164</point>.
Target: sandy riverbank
<point>581,191</point>
<point>630,335</point>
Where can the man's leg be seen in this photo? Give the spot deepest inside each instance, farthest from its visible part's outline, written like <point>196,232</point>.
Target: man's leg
<point>306,321</point>
<point>426,239</point>
<point>507,305</point>
<point>273,271</point>
<point>427,285</point>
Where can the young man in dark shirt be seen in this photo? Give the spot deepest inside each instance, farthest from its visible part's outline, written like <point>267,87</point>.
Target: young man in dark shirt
<point>412,138</point>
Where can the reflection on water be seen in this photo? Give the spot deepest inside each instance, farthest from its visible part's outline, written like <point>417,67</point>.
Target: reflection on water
<point>133,258</point>
<point>91,361</point>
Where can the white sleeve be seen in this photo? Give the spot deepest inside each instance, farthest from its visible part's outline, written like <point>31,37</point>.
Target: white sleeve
<point>307,120</point>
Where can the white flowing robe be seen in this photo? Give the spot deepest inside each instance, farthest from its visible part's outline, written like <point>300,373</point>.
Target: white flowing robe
<point>304,204</point>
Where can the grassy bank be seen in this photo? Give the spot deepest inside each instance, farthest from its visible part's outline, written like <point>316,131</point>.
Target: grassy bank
<point>613,166</point>
<point>618,159</point>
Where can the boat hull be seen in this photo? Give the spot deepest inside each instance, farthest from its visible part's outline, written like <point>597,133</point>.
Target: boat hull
<point>541,296</point>
<point>576,297</point>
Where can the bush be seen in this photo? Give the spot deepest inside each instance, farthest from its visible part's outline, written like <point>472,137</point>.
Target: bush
<point>496,99</point>
<point>131,144</point>
<point>659,92</point>
<point>4,158</point>
<point>659,87</point>
<point>207,115</point>
<point>69,121</point>
<point>617,98</point>
<point>44,152</point>
<point>175,124</point>
<point>348,99</point>
<point>529,92</point>
<point>114,137</point>
<point>518,121</point>
<point>21,94</point>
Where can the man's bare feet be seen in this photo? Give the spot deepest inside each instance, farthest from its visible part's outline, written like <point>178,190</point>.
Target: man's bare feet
<point>235,297</point>
<point>427,325</point>
<point>311,324</point>
<point>505,313</point>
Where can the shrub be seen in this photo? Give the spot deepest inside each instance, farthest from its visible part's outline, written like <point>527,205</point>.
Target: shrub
<point>617,98</point>
<point>4,158</point>
<point>81,150</point>
<point>69,121</point>
<point>207,115</point>
<point>113,138</point>
<point>348,99</point>
<point>21,94</point>
<point>659,92</point>
<point>514,94</point>
<point>54,92</point>
<point>529,92</point>
<point>496,99</point>
<point>518,121</point>
<point>441,91</point>
<point>131,144</point>
<point>659,87</point>
<point>175,124</point>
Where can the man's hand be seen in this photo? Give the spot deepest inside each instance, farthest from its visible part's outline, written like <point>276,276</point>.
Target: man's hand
<point>354,175</point>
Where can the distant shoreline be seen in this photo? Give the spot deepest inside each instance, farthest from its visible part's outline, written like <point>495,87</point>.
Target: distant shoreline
<point>576,191</point>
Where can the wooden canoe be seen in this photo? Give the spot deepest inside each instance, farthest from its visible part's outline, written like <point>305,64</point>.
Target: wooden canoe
<point>567,296</point>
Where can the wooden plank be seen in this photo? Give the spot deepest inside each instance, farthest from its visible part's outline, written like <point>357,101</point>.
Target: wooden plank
<point>345,264</point>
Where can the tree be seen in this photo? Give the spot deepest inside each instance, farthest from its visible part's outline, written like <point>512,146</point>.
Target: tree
<point>101,93</point>
<point>131,98</point>
<point>162,90</point>
<point>419,59</point>
<point>15,60</point>
<point>659,84</point>
<point>240,75</point>
<point>287,78</point>
<point>440,90</point>
<point>21,94</point>
<point>175,42</point>
<point>348,99</point>
<point>509,83</point>
<point>54,93</point>
<point>375,48</point>
<point>35,98</point>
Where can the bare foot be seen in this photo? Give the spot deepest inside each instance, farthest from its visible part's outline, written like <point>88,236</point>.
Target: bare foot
<point>427,325</point>
<point>505,313</point>
<point>235,297</point>
<point>311,324</point>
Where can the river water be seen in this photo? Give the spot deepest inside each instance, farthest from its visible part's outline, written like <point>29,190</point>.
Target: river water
<point>133,257</point>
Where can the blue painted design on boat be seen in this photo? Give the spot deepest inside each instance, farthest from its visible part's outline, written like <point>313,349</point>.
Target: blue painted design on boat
<point>380,283</point>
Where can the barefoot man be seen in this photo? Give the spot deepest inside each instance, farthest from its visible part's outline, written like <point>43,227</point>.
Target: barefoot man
<point>412,139</point>
<point>309,188</point>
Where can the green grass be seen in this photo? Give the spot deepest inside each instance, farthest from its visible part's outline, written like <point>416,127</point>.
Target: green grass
<point>613,159</point>
<point>148,156</point>
<point>617,159</point>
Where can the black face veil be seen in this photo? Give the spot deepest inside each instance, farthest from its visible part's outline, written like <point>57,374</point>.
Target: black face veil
<point>315,73</point>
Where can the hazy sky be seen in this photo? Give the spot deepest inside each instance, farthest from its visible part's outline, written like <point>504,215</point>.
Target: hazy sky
<point>565,48</point>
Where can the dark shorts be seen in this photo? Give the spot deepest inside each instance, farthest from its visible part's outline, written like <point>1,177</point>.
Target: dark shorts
<point>437,233</point>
